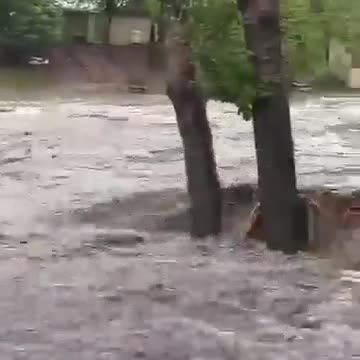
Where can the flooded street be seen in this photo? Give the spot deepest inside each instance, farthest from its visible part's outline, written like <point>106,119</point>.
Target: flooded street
<point>85,272</point>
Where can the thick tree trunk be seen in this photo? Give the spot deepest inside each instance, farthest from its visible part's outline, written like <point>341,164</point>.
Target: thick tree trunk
<point>283,214</point>
<point>190,108</point>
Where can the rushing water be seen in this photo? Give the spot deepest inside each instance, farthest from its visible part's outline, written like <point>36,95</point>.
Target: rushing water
<point>89,149</point>
<point>69,294</point>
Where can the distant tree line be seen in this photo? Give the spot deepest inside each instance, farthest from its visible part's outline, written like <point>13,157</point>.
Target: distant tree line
<point>27,27</point>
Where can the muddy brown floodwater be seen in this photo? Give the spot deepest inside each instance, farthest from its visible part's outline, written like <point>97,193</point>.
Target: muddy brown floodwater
<point>87,273</point>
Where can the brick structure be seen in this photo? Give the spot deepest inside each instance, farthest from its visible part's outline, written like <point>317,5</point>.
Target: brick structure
<point>333,225</point>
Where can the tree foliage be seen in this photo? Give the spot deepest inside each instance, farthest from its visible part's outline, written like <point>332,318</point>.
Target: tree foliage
<point>304,29</point>
<point>216,35</point>
<point>28,25</point>
<point>341,18</point>
<point>215,32</point>
<point>310,24</point>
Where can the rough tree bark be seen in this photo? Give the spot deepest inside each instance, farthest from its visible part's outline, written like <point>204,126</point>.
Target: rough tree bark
<point>282,212</point>
<point>190,109</point>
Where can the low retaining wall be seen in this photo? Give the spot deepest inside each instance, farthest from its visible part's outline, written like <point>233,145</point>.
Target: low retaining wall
<point>333,219</point>
<point>334,226</point>
<point>102,64</point>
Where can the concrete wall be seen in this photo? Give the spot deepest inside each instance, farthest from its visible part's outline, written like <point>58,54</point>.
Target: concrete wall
<point>354,81</point>
<point>97,29</point>
<point>122,28</point>
<point>105,64</point>
<point>334,227</point>
<point>92,28</point>
<point>75,26</point>
<point>340,61</point>
<point>344,65</point>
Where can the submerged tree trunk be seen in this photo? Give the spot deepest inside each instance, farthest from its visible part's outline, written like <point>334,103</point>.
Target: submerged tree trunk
<point>282,212</point>
<point>190,108</point>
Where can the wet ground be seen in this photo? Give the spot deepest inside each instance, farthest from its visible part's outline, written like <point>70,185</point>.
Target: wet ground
<point>93,267</point>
